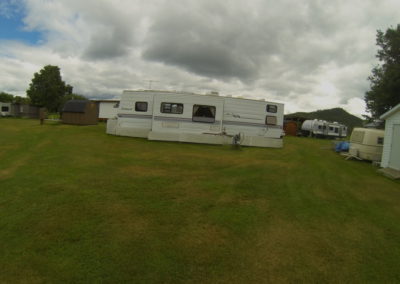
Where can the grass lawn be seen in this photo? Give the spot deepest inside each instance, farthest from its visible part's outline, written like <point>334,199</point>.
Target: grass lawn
<point>77,205</point>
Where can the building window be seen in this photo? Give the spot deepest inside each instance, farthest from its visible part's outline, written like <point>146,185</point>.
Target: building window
<point>141,106</point>
<point>203,113</point>
<point>171,108</point>
<point>4,108</point>
<point>270,120</point>
<point>380,141</point>
<point>272,108</point>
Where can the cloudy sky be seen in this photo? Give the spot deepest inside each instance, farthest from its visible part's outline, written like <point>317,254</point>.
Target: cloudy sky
<point>308,54</point>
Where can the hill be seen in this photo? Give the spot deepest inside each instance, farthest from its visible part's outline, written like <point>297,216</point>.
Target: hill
<point>334,114</point>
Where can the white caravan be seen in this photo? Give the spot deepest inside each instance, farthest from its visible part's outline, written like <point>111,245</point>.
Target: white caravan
<point>367,143</point>
<point>5,109</point>
<point>322,128</point>
<point>187,117</point>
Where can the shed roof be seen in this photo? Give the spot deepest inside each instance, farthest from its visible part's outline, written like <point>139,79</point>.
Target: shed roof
<point>390,112</point>
<point>75,106</point>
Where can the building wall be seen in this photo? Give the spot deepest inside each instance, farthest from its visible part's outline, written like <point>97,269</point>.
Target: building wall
<point>290,128</point>
<point>7,109</point>
<point>107,110</point>
<point>89,117</point>
<point>390,121</point>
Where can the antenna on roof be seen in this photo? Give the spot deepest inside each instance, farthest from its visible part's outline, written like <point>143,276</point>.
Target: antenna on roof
<point>151,82</point>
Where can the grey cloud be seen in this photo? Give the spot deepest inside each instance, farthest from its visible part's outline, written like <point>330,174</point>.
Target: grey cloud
<point>287,50</point>
<point>223,42</point>
<point>108,44</point>
<point>206,59</point>
<point>112,35</point>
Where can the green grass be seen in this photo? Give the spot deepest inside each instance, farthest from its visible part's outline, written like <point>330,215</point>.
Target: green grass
<point>77,205</point>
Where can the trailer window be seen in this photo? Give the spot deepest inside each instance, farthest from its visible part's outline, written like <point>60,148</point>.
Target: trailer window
<point>272,108</point>
<point>336,130</point>
<point>141,106</point>
<point>172,108</point>
<point>357,136</point>
<point>380,141</point>
<point>203,113</point>
<point>116,105</point>
<point>4,108</point>
<point>270,120</point>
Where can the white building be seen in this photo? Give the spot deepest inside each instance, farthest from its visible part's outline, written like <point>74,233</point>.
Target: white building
<point>391,146</point>
<point>5,109</point>
<point>187,117</point>
<point>107,108</point>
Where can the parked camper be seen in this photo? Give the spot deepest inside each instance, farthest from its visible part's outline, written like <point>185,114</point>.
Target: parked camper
<point>5,109</point>
<point>107,109</point>
<point>314,127</point>
<point>187,117</point>
<point>322,128</point>
<point>367,143</point>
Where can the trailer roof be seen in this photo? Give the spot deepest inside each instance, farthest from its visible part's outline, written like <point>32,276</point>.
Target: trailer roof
<point>77,106</point>
<point>209,95</point>
<point>390,112</point>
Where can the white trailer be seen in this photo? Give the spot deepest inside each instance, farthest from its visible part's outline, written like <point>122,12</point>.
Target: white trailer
<point>322,128</point>
<point>5,109</point>
<point>187,117</point>
<point>314,127</point>
<point>367,143</point>
<point>107,108</point>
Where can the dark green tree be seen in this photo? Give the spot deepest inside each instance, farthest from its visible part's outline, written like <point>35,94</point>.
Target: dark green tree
<point>72,97</point>
<point>385,79</point>
<point>21,100</point>
<point>6,98</point>
<point>47,89</point>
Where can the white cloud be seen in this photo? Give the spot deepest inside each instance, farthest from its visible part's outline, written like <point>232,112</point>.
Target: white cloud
<point>310,55</point>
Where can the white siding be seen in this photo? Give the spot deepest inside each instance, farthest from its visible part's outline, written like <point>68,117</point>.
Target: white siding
<point>107,109</point>
<point>390,121</point>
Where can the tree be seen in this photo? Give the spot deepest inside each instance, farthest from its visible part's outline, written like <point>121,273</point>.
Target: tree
<point>6,98</point>
<point>21,100</point>
<point>72,97</point>
<point>385,79</point>
<point>47,89</point>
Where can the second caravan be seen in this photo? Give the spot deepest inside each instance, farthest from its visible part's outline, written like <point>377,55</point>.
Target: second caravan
<point>187,117</point>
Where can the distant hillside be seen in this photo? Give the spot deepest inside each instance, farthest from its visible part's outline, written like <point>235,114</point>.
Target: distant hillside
<point>334,114</point>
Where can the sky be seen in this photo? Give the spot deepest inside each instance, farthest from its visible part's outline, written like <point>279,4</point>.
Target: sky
<point>308,54</point>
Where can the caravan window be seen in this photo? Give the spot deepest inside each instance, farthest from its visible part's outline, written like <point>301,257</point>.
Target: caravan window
<point>203,113</point>
<point>270,120</point>
<point>336,130</point>
<point>272,108</point>
<point>141,106</point>
<point>172,108</point>
<point>4,108</point>
<point>380,141</point>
